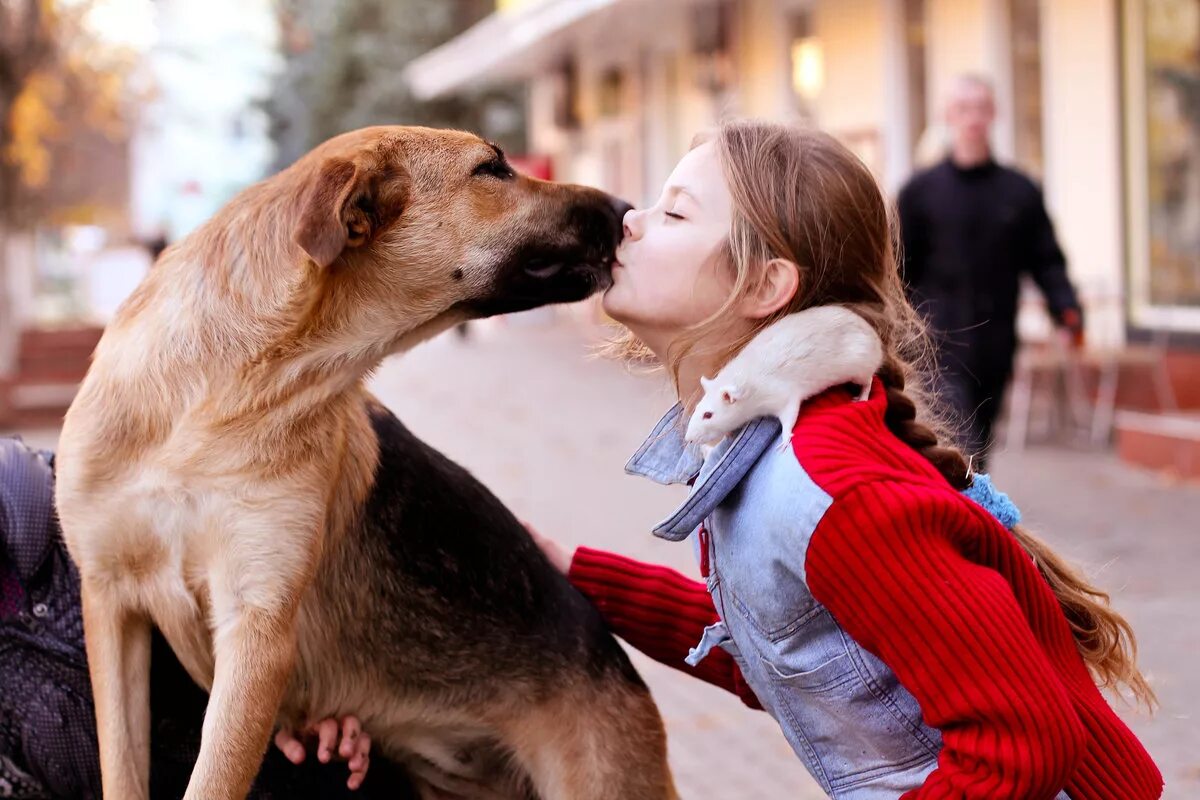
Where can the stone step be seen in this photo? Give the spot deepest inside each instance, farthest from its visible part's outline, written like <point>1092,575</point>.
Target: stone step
<point>55,356</point>
<point>1164,441</point>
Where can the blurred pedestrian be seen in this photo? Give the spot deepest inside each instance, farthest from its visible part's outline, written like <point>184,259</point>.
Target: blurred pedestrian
<point>971,228</point>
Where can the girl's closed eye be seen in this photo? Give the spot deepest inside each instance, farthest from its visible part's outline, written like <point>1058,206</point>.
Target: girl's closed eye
<point>674,214</point>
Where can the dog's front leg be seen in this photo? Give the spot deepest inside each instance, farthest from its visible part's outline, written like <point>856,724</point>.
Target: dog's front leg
<point>118,654</point>
<point>255,651</point>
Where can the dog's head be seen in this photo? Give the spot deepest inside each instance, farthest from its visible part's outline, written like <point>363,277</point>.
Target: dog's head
<point>421,224</point>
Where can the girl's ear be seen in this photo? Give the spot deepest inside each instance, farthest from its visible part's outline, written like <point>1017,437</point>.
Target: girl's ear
<point>781,281</point>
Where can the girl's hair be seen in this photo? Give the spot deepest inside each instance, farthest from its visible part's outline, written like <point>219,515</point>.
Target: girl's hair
<point>800,195</point>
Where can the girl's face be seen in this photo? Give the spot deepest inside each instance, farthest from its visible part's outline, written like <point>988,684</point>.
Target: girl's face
<point>669,274</point>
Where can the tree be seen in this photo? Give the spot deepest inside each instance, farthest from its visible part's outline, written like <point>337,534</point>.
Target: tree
<point>26,46</point>
<point>57,83</point>
<point>343,60</point>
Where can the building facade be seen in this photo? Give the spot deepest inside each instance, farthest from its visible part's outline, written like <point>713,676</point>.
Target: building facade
<point>1098,99</point>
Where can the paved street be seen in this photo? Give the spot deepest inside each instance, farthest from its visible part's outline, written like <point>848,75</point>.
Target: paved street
<point>548,429</point>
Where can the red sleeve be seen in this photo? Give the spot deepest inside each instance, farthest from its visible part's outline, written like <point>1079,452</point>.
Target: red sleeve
<point>659,612</point>
<point>885,564</point>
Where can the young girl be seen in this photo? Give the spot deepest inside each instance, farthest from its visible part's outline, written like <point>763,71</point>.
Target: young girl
<point>911,640</point>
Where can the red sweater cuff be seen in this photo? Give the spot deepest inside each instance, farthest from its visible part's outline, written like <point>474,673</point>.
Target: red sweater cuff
<point>658,611</point>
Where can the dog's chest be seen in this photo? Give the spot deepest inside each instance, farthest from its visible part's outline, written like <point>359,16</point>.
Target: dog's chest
<point>170,532</point>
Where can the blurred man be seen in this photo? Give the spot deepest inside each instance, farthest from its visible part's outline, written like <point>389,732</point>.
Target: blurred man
<point>971,227</point>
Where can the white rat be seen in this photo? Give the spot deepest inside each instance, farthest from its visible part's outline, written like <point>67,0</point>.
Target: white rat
<point>794,359</point>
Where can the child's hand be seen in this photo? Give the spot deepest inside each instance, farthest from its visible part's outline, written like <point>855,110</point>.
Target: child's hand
<point>355,746</point>
<point>559,556</point>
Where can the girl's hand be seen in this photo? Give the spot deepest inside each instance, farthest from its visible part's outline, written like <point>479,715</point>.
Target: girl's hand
<point>355,746</point>
<point>559,556</point>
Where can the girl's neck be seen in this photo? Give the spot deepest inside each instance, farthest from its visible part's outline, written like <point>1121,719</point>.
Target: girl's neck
<point>689,378</point>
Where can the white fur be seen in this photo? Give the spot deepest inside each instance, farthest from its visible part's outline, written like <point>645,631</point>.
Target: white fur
<point>794,359</point>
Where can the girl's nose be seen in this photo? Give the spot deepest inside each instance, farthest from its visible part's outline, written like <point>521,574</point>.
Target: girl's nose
<point>633,224</point>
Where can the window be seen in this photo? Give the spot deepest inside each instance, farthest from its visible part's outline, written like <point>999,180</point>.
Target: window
<point>1162,83</point>
<point>914,56</point>
<point>1027,83</point>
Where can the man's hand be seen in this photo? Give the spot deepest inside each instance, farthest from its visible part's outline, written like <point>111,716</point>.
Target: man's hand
<point>355,745</point>
<point>1072,320</point>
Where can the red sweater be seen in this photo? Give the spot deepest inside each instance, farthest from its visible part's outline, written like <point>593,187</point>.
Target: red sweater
<point>943,594</point>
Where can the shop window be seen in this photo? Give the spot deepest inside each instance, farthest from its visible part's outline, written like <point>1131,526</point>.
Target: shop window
<point>1162,83</point>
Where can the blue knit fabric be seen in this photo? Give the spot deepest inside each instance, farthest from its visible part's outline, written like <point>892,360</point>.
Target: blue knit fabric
<point>994,501</point>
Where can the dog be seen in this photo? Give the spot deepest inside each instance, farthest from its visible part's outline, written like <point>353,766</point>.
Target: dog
<point>223,475</point>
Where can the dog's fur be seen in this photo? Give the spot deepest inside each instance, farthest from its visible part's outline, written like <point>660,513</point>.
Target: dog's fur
<point>223,475</point>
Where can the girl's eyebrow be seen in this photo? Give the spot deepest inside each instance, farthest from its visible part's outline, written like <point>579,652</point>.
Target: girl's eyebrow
<point>674,190</point>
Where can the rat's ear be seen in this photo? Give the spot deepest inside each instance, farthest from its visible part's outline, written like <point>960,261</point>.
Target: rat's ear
<point>705,383</point>
<point>346,204</point>
<point>731,394</point>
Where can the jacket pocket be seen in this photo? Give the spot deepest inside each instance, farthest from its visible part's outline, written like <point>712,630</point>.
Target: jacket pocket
<point>852,737</point>
<point>829,675</point>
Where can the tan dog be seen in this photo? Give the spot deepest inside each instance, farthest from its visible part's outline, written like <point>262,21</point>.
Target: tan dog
<point>223,475</point>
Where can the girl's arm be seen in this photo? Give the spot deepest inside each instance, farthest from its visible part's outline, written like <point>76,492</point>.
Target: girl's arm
<point>885,563</point>
<point>659,612</point>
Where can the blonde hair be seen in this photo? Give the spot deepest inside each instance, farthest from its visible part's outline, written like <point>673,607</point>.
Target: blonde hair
<point>800,195</point>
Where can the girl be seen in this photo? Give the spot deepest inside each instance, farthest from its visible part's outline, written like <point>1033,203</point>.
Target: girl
<point>909,643</point>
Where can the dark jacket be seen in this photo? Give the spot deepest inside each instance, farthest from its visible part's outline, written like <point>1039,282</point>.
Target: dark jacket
<point>969,235</point>
<point>47,721</point>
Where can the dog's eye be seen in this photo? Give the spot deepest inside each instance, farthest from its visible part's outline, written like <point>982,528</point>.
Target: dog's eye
<point>494,168</point>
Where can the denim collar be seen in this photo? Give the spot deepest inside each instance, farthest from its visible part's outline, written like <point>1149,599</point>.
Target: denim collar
<point>665,457</point>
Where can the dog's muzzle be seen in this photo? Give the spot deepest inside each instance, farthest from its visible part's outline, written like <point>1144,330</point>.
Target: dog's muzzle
<point>563,269</point>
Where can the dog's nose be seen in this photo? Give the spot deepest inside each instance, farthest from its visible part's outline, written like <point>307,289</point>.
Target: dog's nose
<point>620,207</point>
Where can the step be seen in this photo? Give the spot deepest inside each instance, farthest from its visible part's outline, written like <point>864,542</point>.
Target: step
<point>1164,441</point>
<point>36,402</point>
<point>38,341</point>
<point>55,356</point>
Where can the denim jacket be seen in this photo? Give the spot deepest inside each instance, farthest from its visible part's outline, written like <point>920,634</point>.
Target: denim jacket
<point>856,728</point>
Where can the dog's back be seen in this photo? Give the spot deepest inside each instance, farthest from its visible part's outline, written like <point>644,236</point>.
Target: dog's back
<point>435,599</point>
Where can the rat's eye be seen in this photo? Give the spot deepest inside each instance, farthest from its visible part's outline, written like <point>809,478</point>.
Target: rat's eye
<point>707,415</point>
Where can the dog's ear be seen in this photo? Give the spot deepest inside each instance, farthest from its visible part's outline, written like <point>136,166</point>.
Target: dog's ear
<point>346,205</point>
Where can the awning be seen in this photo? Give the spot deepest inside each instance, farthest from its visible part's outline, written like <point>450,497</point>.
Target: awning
<point>503,46</point>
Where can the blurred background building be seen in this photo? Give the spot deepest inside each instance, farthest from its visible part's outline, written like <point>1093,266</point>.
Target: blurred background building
<point>125,123</point>
<point>1100,99</point>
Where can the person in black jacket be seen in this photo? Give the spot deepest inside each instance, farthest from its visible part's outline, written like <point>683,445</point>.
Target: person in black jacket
<point>48,748</point>
<point>971,228</point>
